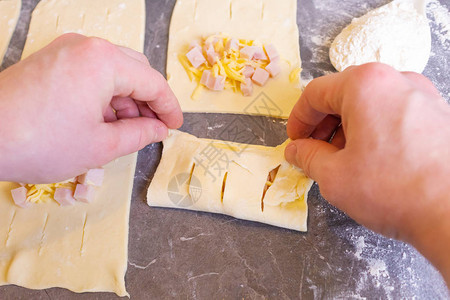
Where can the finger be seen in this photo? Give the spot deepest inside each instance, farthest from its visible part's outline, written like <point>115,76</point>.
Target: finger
<point>339,138</point>
<point>421,82</point>
<point>134,54</point>
<point>313,156</point>
<point>67,39</point>
<point>125,107</point>
<point>141,82</point>
<point>127,136</point>
<point>144,110</point>
<point>321,97</point>
<point>109,115</point>
<point>331,94</point>
<point>325,130</point>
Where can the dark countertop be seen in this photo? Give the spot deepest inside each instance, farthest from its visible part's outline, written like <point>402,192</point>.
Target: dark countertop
<point>192,255</point>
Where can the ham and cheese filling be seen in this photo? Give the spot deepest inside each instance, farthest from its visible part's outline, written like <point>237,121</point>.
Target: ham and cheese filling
<point>220,62</point>
<point>78,189</point>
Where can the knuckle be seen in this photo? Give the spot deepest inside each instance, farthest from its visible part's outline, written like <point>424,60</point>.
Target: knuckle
<point>95,49</point>
<point>143,58</point>
<point>97,44</point>
<point>366,74</point>
<point>67,36</point>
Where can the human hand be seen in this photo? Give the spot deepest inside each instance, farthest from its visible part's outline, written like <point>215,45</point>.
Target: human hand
<point>388,165</point>
<point>77,104</point>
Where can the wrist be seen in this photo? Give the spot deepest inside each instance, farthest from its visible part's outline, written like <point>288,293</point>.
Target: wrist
<point>429,233</point>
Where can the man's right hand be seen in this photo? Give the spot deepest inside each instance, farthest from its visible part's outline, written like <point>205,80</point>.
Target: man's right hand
<point>388,162</point>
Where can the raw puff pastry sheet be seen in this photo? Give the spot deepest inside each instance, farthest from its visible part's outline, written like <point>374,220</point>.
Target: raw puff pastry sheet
<point>229,178</point>
<point>267,21</point>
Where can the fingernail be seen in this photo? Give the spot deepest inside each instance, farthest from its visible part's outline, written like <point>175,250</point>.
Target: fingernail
<point>291,152</point>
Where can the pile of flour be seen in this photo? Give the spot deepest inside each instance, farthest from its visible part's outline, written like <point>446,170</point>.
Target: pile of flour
<point>394,34</point>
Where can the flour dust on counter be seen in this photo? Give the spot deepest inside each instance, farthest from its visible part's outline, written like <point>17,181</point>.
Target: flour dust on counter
<point>439,66</point>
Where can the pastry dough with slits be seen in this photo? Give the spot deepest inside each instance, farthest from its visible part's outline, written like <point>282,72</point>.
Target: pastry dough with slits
<point>248,182</point>
<point>83,247</point>
<point>9,14</point>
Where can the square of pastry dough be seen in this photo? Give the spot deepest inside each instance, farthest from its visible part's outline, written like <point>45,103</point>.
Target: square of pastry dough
<point>264,21</point>
<point>9,14</point>
<point>83,247</point>
<point>232,179</point>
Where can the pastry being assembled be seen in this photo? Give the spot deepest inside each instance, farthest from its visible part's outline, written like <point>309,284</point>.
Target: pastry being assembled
<point>9,14</point>
<point>248,182</point>
<point>250,52</point>
<point>82,247</point>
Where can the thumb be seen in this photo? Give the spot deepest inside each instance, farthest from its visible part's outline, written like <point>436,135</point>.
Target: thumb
<point>313,156</point>
<point>126,136</point>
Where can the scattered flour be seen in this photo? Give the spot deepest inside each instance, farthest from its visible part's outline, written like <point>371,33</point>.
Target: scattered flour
<point>360,244</point>
<point>377,268</point>
<point>216,126</point>
<point>394,34</point>
<point>440,18</point>
<point>376,273</point>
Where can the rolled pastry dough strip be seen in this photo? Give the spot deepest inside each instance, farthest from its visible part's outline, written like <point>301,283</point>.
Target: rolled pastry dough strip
<point>82,247</point>
<point>229,178</point>
<point>9,14</point>
<point>266,21</point>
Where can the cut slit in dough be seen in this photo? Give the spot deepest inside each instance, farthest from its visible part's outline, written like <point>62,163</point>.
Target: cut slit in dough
<point>9,15</point>
<point>266,21</point>
<point>245,181</point>
<point>83,247</point>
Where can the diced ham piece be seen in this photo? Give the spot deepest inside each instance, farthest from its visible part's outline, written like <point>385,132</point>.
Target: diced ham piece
<point>208,47</point>
<point>260,76</point>
<point>274,68</point>
<point>248,71</point>
<point>211,41</point>
<point>196,57</point>
<point>92,177</point>
<point>259,53</point>
<point>20,196</point>
<point>205,77</point>
<point>216,83</point>
<point>64,196</point>
<point>195,44</point>
<point>212,56</point>
<point>232,44</point>
<point>272,52</point>
<point>248,52</point>
<point>84,193</point>
<point>247,87</point>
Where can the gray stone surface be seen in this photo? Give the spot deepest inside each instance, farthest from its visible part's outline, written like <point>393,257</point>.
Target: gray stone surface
<point>190,255</point>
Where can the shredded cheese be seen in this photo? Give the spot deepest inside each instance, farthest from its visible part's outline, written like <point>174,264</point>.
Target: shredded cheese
<point>44,193</point>
<point>294,77</point>
<point>229,64</point>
